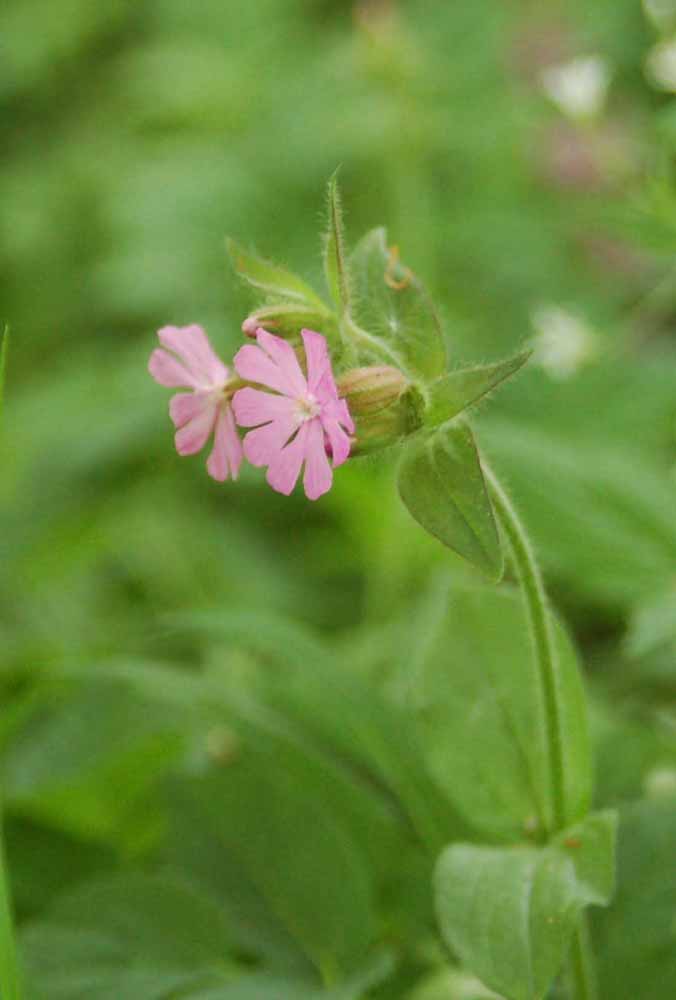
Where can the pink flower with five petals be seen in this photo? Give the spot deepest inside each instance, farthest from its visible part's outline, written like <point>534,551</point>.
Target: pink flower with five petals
<point>300,420</point>
<point>187,359</point>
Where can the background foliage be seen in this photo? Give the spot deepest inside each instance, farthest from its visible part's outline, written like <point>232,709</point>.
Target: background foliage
<point>225,768</point>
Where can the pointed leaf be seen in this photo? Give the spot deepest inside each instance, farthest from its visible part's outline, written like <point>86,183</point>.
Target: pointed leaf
<point>271,278</point>
<point>441,483</point>
<point>335,265</point>
<point>509,913</point>
<point>393,311</point>
<point>452,393</point>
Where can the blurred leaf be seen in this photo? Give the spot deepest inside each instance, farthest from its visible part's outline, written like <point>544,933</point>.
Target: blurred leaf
<point>335,264</point>
<point>601,515</point>
<point>369,735</point>
<point>452,985</point>
<point>452,393</point>
<point>441,483</point>
<point>83,764</point>
<point>132,936</point>
<point>653,625</point>
<point>275,810</point>
<point>265,987</point>
<point>473,686</point>
<point>636,937</point>
<point>270,278</point>
<point>394,310</point>
<point>509,913</point>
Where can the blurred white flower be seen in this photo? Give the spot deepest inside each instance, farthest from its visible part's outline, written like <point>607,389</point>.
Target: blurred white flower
<point>562,342</point>
<point>578,88</point>
<point>661,65</point>
<point>661,12</point>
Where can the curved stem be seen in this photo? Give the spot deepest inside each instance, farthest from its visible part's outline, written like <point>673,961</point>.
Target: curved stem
<point>544,650</point>
<point>580,969</point>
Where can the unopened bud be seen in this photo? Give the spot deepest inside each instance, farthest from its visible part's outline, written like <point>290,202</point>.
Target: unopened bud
<point>287,319</point>
<point>370,390</point>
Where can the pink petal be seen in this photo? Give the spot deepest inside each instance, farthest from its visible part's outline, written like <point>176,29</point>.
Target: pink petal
<point>253,407</point>
<point>317,354</point>
<point>337,409</point>
<point>166,370</point>
<point>285,466</point>
<point>193,436</point>
<point>318,477</point>
<point>184,406</point>
<point>226,455</point>
<point>192,346</point>
<point>263,445</point>
<point>254,365</point>
<point>339,441</point>
<point>284,356</point>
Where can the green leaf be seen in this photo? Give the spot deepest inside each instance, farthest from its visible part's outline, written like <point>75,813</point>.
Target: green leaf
<point>453,393</point>
<point>637,934</point>
<point>474,689</point>
<point>441,483</point>
<point>291,824</point>
<point>271,278</point>
<point>396,321</point>
<point>509,913</point>
<point>601,516</point>
<point>335,264</point>
<point>128,936</point>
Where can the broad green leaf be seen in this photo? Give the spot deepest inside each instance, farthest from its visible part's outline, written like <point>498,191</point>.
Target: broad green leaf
<point>637,935</point>
<point>509,913</point>
<point>270,278</point>
<point>308,684</point>
<point>335,252</point>
<point>452,393</point>
<point>601,516</point>
<point>397,323</point>
<point>128,936</point>
<point>262,986</point>
<point>441,483</point>
<point>84,763</point>
<point>452,984</point>
<point>276,811</point>
<point>471,682</point>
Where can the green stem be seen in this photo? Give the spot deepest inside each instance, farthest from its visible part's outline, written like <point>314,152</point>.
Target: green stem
<point>544,650</point>
<point>580,969</point>
<point>10,988</point>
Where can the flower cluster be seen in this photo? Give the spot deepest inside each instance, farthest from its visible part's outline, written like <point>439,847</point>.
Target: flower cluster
<point>293,419</point>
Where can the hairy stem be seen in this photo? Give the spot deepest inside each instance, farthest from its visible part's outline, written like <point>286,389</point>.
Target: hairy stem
<point>544,650</point>
<point>580,970</point>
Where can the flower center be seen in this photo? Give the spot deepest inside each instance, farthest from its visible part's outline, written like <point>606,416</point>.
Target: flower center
<point>307,407</point>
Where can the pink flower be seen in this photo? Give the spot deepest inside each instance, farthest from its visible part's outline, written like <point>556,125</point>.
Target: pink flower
<point>189,361</point>
<point>300,420</point>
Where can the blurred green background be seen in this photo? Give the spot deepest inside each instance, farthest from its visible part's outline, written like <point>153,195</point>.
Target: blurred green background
<point>538,207</point>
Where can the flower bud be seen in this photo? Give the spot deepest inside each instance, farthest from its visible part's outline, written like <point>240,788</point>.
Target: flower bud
<point>287,319</point>
<point>370,390</point>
